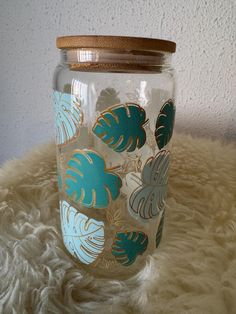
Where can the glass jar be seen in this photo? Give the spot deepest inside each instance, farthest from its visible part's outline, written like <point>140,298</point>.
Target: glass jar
<point>114,115</point>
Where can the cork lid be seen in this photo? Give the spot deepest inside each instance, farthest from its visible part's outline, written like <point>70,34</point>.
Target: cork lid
<point>115,42</point>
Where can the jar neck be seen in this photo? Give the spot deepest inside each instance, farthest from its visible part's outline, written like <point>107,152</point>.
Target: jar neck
<point>101,60</point>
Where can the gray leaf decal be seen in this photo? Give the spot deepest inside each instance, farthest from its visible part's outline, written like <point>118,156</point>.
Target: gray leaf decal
<point>160,229</point>
<point>108,97</point>
<point>147,200</point>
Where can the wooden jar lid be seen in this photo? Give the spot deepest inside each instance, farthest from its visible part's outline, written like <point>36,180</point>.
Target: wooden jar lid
<point>116,42</point>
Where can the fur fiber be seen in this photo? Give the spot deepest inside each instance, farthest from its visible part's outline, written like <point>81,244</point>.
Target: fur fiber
<point>192,272</point>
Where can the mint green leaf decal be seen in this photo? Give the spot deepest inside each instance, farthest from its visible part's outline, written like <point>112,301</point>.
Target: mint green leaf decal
<point>83,237</point>
<point>165,124</point>
<point>160,229</point>
<point>121,127</point>
<point>128,245</point>
<point>68,117</point>
<point>89,182</point>
<point>147,200</point>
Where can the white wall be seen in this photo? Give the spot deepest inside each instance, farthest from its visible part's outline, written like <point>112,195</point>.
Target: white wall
<point>205,59</point>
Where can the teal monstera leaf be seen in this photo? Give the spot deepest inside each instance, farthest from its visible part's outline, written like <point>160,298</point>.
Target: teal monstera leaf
<point>165,124</point>
<point>89,182</point>
<point>160,229</point>
<point>121,127</point>
<point>127,246</point>
<point>83,237</point>
<point>148,198</point>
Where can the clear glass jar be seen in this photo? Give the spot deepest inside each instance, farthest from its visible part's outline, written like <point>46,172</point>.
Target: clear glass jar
<point>114,114</point>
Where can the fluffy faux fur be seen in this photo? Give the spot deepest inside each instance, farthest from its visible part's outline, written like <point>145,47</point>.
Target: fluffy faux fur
<point>192,272</point>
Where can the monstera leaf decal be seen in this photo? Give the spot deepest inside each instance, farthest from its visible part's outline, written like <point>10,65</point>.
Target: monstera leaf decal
<point>108,97</point>
<point>160,229</point>
<point>121,127</point>
<point>89,182</point>
<point>68,117</point>
<point>147,200</point>
<point>83,237</point>
<point>165,124</point>
<point>127,246</point>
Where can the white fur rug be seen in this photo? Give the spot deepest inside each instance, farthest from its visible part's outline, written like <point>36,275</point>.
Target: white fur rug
<point>192,272</point>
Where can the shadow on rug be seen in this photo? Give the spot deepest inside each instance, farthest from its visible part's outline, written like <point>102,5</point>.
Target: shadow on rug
<point>193,270</point>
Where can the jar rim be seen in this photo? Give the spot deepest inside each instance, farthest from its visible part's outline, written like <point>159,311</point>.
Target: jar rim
<point>115,42</point>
